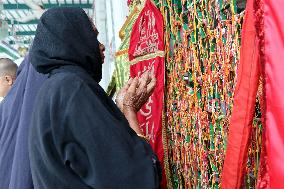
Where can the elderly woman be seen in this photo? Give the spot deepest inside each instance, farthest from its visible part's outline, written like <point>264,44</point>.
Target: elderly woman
<point>79,139</point>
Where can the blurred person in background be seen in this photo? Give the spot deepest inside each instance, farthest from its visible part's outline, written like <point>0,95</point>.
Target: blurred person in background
<point>8,71</point>
<point>15,115</point>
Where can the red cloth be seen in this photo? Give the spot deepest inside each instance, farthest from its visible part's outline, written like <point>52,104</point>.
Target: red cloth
<point>148,32</point>
<point>241,120</point>
<point>146,45</point>
<point>274,87</point>
<point>244,105</point>
<point>150,116</point>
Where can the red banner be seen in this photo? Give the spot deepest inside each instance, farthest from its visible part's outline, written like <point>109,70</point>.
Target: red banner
<point>146,53</point>
<point>244,105</point>
<point>268,19</point>
<point>274,87</point>
<point>147,36</point>
<point>150,115</point>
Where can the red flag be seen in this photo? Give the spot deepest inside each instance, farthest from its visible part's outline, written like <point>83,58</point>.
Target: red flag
<point>146,52</point>
<point>244,105</point>
<point>274,87</point>
<point>270,23</point>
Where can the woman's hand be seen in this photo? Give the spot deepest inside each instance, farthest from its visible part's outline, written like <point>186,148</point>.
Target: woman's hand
<point>138,92</point>
<point>121,93</point>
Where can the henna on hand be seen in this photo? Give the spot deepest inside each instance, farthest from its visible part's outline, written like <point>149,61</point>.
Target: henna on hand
<point>139,92</point>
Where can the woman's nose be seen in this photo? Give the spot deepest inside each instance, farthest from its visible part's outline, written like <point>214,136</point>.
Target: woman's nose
<point>102,47</point>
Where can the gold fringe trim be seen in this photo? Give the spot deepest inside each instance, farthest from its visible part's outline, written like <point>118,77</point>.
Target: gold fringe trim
<point>165,146</point>
<point>121,52</point>
<point>164,124</point>
<point>126,23</point>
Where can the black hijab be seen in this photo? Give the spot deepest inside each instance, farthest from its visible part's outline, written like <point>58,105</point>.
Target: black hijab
<point>65,36</point>
<point>79,139</point>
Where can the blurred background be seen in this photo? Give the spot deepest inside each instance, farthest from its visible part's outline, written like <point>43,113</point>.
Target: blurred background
<point>19,18</point>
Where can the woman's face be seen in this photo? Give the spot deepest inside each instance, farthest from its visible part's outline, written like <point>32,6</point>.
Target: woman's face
<point>102,50</point>
<point>101,46</point>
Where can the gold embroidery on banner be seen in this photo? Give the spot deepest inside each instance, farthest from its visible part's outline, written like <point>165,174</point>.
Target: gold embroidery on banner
<point>148,57</point>
<point>148,125</point>
<point>149,37</point>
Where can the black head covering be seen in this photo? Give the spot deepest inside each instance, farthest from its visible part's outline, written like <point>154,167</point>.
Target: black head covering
<point>66,37</point>
<point>78,137</point>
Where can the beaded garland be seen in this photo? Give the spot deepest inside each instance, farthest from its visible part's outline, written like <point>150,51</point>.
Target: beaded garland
<point>202,39</point>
